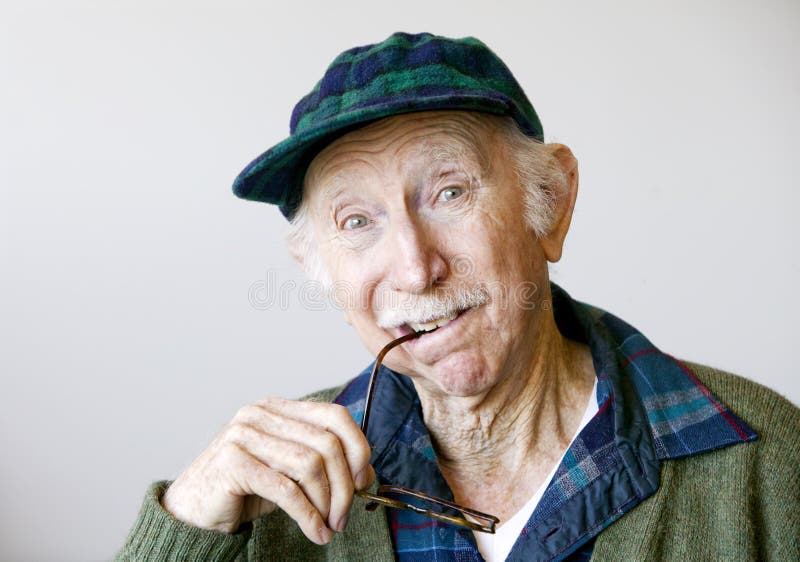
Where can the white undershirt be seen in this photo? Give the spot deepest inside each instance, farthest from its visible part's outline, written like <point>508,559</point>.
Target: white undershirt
<point>495,548</point>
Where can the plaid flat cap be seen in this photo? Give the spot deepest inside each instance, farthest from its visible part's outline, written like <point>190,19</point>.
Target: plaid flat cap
<point>403,74</point>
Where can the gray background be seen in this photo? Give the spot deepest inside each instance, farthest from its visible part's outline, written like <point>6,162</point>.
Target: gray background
<point>128,331</point>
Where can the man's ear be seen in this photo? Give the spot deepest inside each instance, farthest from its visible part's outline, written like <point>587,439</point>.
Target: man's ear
<point>553,242</point>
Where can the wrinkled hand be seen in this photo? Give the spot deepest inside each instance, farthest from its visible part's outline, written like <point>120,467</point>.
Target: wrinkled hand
<point>305,457</point>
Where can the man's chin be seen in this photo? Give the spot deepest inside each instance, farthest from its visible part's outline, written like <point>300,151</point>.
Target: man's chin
<point>456,375</point>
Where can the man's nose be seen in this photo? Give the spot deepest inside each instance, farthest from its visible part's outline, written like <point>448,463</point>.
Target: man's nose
<point>415,259</point>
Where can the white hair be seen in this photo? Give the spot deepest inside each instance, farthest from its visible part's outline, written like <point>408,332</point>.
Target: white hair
<point>540,175</point>
<point>542,179</point>
<point>303,246</point>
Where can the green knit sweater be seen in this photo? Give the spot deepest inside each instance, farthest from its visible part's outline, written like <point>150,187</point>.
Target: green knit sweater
<point>737,503</point>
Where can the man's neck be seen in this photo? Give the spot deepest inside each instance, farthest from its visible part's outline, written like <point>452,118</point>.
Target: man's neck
<point>495,453</point>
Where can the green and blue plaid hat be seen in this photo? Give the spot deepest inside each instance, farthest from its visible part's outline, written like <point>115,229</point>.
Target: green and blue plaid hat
<point>403,74</point>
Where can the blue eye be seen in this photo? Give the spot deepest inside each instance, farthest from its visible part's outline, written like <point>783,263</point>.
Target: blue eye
<point>450,193</point>
<point>355,221</point>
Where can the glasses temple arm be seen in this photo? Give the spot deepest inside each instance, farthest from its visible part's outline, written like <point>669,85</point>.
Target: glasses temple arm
<point>374,375</point>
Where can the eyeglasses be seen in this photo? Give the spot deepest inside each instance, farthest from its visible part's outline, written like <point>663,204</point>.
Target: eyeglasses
<point>470,518</point>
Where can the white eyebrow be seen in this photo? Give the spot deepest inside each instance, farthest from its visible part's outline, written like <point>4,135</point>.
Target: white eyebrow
<point>331,189</point>
<point>458,152</point>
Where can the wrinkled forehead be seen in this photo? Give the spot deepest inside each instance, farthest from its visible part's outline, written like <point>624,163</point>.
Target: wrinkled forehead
<point>400,144</point>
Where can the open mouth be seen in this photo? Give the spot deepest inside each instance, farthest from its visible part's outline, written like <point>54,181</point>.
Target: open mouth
<point>431,325</point>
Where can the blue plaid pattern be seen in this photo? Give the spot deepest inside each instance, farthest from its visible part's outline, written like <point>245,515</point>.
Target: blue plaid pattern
<point>651,408</point>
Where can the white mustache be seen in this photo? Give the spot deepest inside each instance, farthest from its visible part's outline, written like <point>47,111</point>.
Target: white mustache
<point>425,308</point>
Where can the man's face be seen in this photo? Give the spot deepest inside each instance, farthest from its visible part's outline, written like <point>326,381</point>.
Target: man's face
<point>411,213</point>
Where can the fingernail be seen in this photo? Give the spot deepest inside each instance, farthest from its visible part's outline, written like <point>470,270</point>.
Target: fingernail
<point>364,478</point>
<point>342,524</point>
<point>325,535</point>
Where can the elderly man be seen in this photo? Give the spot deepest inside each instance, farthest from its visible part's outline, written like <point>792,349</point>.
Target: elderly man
<point>508,421</point>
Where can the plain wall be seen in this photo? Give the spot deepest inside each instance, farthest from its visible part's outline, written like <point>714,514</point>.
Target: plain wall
<point>133,319</point>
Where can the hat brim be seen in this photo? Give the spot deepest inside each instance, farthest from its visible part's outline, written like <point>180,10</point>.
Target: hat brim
<point>276,176</point>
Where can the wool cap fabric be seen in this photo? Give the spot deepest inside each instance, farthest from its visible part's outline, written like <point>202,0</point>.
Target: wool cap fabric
<point>403,74</point>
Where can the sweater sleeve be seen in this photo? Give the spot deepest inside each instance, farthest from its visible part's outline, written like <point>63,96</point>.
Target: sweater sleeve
<point>157,535</point>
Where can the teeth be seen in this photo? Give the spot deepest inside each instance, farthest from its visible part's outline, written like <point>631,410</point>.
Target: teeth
<point>428,326</point>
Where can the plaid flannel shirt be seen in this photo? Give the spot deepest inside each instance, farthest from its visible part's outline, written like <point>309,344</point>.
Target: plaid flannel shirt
<point>651,408</point>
